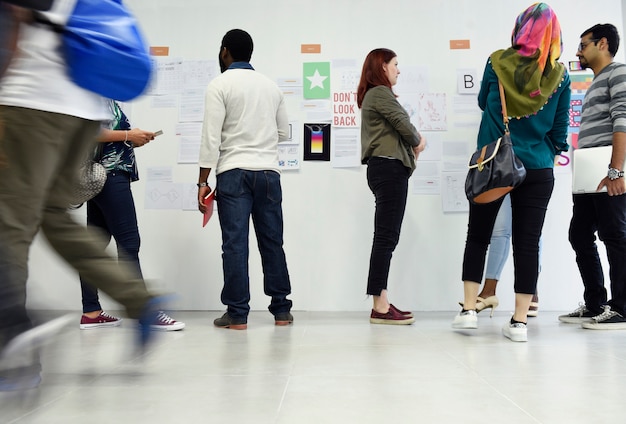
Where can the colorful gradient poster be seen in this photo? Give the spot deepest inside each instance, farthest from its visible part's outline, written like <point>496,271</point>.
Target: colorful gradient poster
<point>317,142</point>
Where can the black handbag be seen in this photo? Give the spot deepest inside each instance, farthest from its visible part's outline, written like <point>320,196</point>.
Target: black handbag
<point>494,170</point>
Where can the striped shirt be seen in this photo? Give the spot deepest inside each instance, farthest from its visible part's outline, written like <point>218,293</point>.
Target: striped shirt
<point>604,107</point>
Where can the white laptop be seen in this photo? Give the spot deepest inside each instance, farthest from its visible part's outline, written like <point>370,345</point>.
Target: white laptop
<point>589,168</point>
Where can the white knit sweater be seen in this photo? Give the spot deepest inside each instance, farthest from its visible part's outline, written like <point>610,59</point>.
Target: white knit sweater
<point>244,119</point>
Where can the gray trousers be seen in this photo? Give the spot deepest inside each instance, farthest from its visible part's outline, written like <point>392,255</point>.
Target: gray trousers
<point>40,153</point>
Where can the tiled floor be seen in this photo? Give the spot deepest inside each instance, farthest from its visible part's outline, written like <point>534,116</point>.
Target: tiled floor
<point>331,368</point>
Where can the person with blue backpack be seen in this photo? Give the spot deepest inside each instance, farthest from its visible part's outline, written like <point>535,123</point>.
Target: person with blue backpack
<point>48,126</point>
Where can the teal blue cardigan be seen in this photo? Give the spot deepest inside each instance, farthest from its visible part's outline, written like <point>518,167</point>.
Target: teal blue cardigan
<point>536,138</point>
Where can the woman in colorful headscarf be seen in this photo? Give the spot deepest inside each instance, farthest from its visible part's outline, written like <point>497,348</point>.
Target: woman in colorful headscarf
<point>537,92</point>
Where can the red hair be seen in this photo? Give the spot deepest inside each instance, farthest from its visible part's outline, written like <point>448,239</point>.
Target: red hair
<point>373,74</point>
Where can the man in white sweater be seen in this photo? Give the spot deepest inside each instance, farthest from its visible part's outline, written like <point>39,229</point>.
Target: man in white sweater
<point>244,119</point>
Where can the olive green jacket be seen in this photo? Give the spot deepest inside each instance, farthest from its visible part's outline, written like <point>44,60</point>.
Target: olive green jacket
<point>386,128</point>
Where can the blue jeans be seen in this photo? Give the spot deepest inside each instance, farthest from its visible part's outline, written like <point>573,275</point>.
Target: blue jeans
<point>112,212</point>
<point>389,180</point>
<point>605,215</point>
<point>241,194</point>
<point>500,243</point>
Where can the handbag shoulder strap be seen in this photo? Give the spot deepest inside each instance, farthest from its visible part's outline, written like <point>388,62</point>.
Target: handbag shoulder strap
<point>505,116</point>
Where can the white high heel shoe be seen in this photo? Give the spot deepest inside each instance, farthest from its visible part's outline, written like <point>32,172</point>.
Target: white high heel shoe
<point>490,302</point>
<point>482,304</point>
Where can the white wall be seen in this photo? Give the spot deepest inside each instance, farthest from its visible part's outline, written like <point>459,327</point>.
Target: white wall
<point>329,212</point>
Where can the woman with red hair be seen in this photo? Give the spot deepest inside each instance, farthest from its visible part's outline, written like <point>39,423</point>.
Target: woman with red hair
<point>390,145</point>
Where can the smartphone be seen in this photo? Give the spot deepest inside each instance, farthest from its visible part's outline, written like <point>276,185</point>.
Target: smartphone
<point>159,132</point>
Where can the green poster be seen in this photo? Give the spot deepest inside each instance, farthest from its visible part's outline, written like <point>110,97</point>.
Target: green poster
<point>316,80</point>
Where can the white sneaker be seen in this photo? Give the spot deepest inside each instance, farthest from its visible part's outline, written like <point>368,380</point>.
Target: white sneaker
<point>466,320</point>
<point>515,332</point>
<point>164,322</point>
<point>35,338</point>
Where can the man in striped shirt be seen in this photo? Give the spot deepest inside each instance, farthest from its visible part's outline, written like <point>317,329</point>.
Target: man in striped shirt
<point>603,123</point>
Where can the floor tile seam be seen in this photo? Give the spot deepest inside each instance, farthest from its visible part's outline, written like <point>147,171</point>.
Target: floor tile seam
<point>602,354</point>
<point>529,376</point>
<point>282,400</point>
<point>42,406</point>
<point>460,362</point>
<point>345,345</point>
<point>418,375</point>
<point>515,404</point>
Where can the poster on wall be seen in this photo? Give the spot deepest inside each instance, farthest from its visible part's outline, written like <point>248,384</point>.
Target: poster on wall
<point>168,76</point>
<point>432,112</point>
<point>289,152</point>
<point>317,141</point>
<point>579,85</point>
<point>316,77</point>
<point>345,147</point>
<point>345,109</point>
<point>453,197</point>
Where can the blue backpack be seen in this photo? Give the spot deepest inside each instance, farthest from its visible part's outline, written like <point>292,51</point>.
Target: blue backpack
<point>104,49</point>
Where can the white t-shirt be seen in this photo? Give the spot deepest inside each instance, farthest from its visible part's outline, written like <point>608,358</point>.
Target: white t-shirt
<point>36,77</point>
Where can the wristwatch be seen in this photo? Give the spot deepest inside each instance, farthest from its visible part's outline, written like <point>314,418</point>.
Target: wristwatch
<point>614,173</point>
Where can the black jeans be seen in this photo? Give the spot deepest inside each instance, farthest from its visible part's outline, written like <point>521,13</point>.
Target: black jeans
<point>529,203</point>
<point>389,180</point>
<point>605,215</point>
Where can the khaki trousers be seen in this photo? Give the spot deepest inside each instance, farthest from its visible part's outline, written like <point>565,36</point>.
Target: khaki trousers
<point>40,153</point>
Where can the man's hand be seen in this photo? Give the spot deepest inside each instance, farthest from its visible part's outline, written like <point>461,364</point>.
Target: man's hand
<point>615,187</point>
<point>202,193</point>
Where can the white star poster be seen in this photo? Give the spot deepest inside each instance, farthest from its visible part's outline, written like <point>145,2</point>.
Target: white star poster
<point>316,80</point>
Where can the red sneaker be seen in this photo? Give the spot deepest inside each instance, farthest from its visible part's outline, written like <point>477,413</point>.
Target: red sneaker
<point>407,313</point>
<point>102,320</point>
<point>164,322</point>
<point>392,317</point>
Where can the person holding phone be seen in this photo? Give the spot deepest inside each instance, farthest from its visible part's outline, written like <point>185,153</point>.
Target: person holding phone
<point>112,212</point>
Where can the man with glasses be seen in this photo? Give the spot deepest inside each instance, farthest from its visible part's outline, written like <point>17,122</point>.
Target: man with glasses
<point>603,123</point>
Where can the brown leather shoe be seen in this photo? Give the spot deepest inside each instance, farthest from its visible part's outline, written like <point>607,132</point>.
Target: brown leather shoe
<point>226,321</point>
<point>283,318</point>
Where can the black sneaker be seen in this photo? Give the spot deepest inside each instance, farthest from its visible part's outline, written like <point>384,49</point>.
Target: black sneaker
<point>579,315</point>
<point>607,320</point>
<point>226,321</point>
<point>283,318</point>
